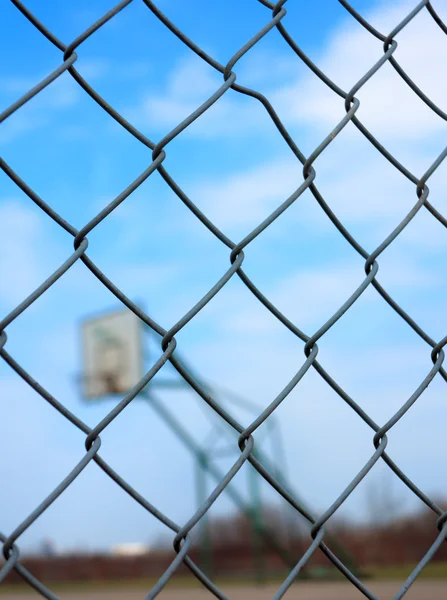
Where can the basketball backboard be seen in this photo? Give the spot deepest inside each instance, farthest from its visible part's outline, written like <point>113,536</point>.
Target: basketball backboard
<point>112,354</point>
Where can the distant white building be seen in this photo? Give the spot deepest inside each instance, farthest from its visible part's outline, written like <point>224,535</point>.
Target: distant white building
<point>48,547</point>
<point>130,549</point>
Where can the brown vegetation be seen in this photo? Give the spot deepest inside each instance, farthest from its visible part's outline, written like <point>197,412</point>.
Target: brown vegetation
<point>237,551</point>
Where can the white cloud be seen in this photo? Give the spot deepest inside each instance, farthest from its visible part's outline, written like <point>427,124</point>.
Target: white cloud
<point>17,84</point>
<point>139,277</point>
<point>369,196</point>
<point>61,93</point>
<point>136,279</point>
<point>19,124</point>
<point>93,68</point>
<point>387,105</point>
<point>357,182</point>
<point>21,269</point>
<point>248,196</point>
<point>188,85</point>
<point>309,296</point>
<point>40,111</point>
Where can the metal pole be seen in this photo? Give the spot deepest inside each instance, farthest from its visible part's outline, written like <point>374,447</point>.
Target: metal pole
<point>215,473</point>
<point>205,539</point>
<point>267,536</point>
<point>257,520</point>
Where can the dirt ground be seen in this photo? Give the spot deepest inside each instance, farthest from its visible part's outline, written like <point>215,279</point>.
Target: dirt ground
<point>422,590</point>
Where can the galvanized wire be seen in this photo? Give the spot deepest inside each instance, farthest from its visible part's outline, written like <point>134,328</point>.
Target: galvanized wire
<point>275,18</point>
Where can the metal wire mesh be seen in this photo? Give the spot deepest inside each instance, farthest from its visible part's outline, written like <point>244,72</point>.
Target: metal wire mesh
<point>275,18</point>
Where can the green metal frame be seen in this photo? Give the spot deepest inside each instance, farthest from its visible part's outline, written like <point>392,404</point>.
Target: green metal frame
<point>205,455</point>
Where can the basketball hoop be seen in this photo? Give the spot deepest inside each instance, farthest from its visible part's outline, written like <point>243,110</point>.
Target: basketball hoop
<point>112,357</point>
<point>101,384</point>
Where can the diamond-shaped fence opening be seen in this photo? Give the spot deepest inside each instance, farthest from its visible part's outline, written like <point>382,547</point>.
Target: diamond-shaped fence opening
<point>350,118</point>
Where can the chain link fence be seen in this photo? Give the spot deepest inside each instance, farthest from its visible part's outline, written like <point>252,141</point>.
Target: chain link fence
<point>275,18</point>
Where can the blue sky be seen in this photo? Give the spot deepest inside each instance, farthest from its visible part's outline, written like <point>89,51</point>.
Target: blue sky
<point>236,167</point>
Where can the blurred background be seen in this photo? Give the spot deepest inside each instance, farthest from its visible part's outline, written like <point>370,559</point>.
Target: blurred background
<point>235,166</point>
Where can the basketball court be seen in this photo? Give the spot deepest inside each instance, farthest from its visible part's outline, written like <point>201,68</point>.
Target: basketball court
<point>422,590</point>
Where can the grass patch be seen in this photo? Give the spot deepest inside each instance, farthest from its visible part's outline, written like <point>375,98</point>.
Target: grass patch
<point>434,570</point>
